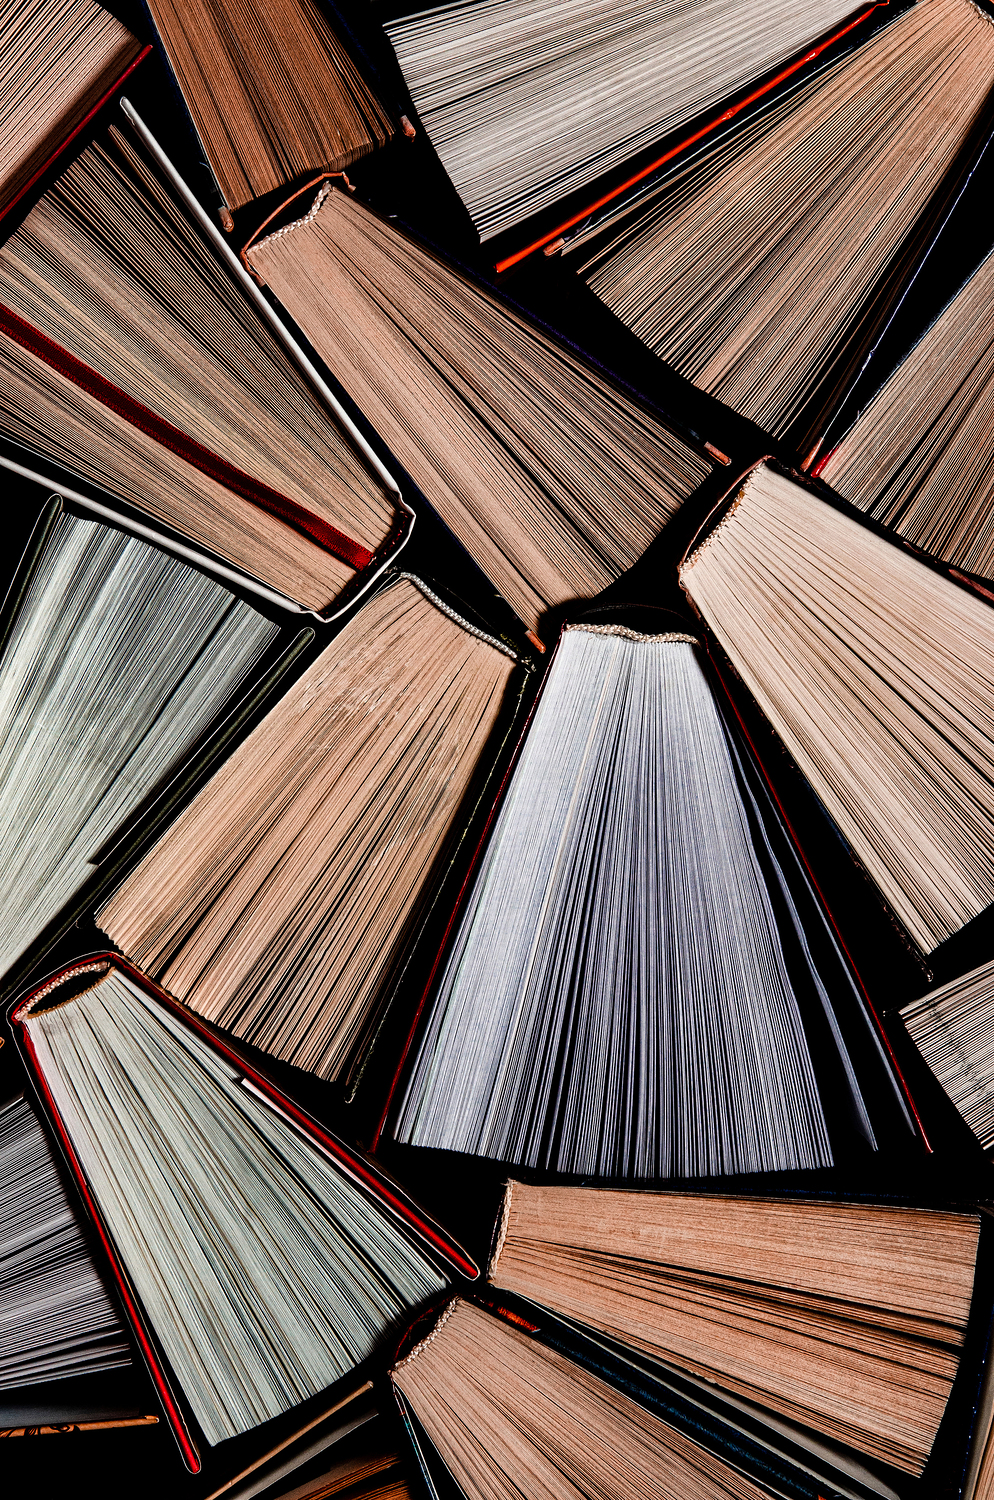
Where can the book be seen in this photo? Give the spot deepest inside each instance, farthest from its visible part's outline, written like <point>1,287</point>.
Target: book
<point>281,901</point>
<point>57,1319</point>
<point>258,1259</point>
<point>553,478</point>
<point>952,1027</point>
<point>57,62</point>
<point>272,89</point>
<point>129,355</point>
<point>646,1002</point>
<point>847,1318</point>
<point>525,104</point>
<point>746,265</point>
<point>873,668</point>
<point>117,658</point>
<point>508,1415</point>
<point>918,456</point>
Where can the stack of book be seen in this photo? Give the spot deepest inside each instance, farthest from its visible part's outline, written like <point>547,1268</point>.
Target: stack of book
<point>497,750</point>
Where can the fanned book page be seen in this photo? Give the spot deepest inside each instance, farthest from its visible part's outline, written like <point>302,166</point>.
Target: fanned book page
<point>526,102</point>
<point>129,356</point>
<point>846,1318</point>
<point>746,271</point>
<point>279,902</point>
<point>272,90</point>
<point>920,457</point>
<point>877,673</point>
<point>953,1028</point>
<point>264,1269</point>
<point>56,1318</point>
<point>510,1417</point>
<point>57,60</point>
<point>120,657</point>
<point>617,1000</point>
<point>554,481</point>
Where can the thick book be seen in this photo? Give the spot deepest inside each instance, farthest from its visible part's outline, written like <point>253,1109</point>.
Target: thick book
<point>258,1259</point>
<point>58,62</point>
<point>117,658</point>
<point>848,1320</point>
<point>748,264</point>
<point>274,91</point>
<point>500,1399</point>
<point>640,982</point>
<point>131,355</point>
<point>550,474</point>
<point>527,104</point>
<point>282,901</point>
<point>919,458</point>
<point>873,667</point>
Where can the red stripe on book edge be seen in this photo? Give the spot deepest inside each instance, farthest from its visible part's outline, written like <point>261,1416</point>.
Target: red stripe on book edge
<point>757,760</point>
<point>47,163</point>
<point>354,1165</point>
<point>327,537</point>
<point>728,114</point>
<point>176,1421</point>
<point>816,470</point>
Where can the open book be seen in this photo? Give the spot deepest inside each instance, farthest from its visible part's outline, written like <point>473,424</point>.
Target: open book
<point>258,1259</point>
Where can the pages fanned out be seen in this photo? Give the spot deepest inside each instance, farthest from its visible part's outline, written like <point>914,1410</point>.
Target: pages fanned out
<point>552,478</point>
<point>876,672</point>
<point>129,356</point>
<point>264,1270</point>
<point>119,658</point>
<point>617,999</point>
<point>278,902</point>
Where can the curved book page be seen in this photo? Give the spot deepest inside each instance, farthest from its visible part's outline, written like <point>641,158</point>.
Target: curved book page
<point>552,478</point>
<point>746,272</point>
<point>56,1318</point>
<point>129,356</point>
<point>526,102</point>
<point>617,999</point>
<point>119,659</point>
<point>920,458</point>
<point>845,1317</point>
<point>876,672</point>
<point>510,1417</point>
<point>264,1270</point>
<point>279,902</point>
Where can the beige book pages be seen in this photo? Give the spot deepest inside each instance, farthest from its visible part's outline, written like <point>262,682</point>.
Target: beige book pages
<point>876,672</point>
<point>511,1418</point>
<point>57,60</point>
<point>921,456</point>
<point>106,266</point>
<point>747,282</point>
<point>277,903</point>
<point>844,1317</point>
<point>271,88</point>
<point>552,479</point>
<point>953,1028</point>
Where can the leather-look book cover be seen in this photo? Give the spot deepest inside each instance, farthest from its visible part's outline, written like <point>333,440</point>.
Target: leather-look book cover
<point>389,1195</point>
